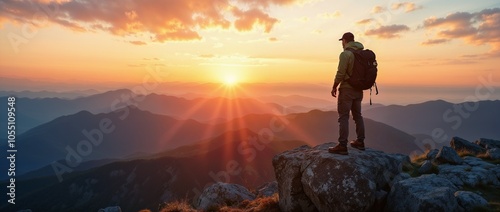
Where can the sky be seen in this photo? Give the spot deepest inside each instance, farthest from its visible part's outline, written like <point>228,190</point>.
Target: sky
<point>418,43</point>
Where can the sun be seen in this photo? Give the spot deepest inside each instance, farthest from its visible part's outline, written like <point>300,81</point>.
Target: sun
<point>230,80</point>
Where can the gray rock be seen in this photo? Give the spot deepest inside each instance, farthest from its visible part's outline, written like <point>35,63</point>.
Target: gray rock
<point>425,168</point>
<point>110,209</point>
<point>313,179</point>
<point>493,153</point>
<point>220,193</point>
<point>424,193</point>
<point>448,155</point>
<point>431,155</point>
<point>267,189</point>
<point>473,161</point>
<point>287,167</point>
<point>469,200</point>
<point>404,160</point>
<point>399,177</point>
<point>488,143</point>
<point>460,144</point>
<point>471,176</point>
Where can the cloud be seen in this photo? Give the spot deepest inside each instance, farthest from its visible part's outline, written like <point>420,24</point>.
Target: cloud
<point>386,32</point>
<point>332,15</point>
<point>434,41</point>
<point>246,20</point>
<point>162,20</point>
<point>207,56</point>
<point>138,42</point>
<point>273,39</point>
<point>407,6</point>
<point>478,28</point>
<point>364,21</point>
<point>378,9</point>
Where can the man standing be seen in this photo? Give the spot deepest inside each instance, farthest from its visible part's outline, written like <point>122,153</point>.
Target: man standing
<point>349,98</point>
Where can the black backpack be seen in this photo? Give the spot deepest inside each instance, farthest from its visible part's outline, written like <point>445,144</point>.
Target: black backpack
<point>364,71</point>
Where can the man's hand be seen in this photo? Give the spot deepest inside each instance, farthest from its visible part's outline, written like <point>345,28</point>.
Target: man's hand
<point>334,89</point>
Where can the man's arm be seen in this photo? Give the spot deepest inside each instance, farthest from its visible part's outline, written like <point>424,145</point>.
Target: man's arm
<point>341,72</point>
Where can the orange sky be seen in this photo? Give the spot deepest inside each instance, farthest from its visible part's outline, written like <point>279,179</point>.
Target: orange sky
<point>417,43</point>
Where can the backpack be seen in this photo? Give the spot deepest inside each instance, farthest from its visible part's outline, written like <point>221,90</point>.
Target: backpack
<point>364,71</point>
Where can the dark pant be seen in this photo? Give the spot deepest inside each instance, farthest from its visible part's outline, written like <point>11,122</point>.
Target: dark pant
<point>350,100</point>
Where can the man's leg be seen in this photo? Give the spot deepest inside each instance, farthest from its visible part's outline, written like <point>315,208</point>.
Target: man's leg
<point>344,106</point>
<point>358,119</point>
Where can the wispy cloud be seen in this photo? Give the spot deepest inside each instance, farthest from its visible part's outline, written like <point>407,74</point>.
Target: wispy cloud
<point>407,6</point>
<point>137,42</point>
<point>331,15</point>
<point>378,9</point>
<point>365,21</point>
<point>386,32</point>
<point>478,28</point>
<point>162,20</point>
<point>434,41</point>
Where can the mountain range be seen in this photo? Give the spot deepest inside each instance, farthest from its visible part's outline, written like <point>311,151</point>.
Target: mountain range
<point>440,120</point>
<point>145,132</point>
<point>231,157</point>
<point>137,151</point>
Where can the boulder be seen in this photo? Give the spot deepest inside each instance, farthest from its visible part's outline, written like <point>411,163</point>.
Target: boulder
<point>488,143</point>
<point>493,153</point>
<point>219,194</point>
<point>399,177</point>
<point>460,144</point>
<point>111,209</point>
<point>470,200</point>
<point>431,155</point>
<point>467,175</point>
<point>448,155</point>
<point>267,189</point>
<point>424,193</point>
<point>425,168</point>
<point>313,179</point>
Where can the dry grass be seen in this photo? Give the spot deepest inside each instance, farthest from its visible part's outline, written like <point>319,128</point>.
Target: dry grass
<point>463,152</point>
<point>177,206</point>
<point>270,204</point>
<point>419,159</point>
<point>267,204</point>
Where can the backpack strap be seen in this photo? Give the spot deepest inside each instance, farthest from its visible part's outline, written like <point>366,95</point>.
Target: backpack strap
<point>352,51</point>
<point>376,92</point>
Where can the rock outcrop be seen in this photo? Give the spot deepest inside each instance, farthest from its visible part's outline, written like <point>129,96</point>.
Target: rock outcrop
<point>460,144</point>
<point>469,200</point>
<point>111,209</point>
<point>267,189</point>
<point>425,193</point>
<point>219,194</point>
<point>313,179</point>
<point>448,155</point>
<point>488,143</point>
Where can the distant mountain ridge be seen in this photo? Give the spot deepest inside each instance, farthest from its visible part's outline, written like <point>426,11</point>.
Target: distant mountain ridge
<point>442,119</point>
<point>143,131</point>
<point>33,112</point>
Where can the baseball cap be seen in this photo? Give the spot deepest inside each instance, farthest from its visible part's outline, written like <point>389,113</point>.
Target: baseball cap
<point>348,36</point>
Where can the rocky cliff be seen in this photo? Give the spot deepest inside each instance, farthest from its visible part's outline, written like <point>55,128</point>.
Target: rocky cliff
<point>311,179</point>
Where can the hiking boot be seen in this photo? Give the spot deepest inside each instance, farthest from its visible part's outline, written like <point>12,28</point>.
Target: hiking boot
<point>339,149</point>
<point>358,145</point>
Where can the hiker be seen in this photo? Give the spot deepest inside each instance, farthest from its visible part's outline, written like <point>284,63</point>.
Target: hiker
<point>349,99</point>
